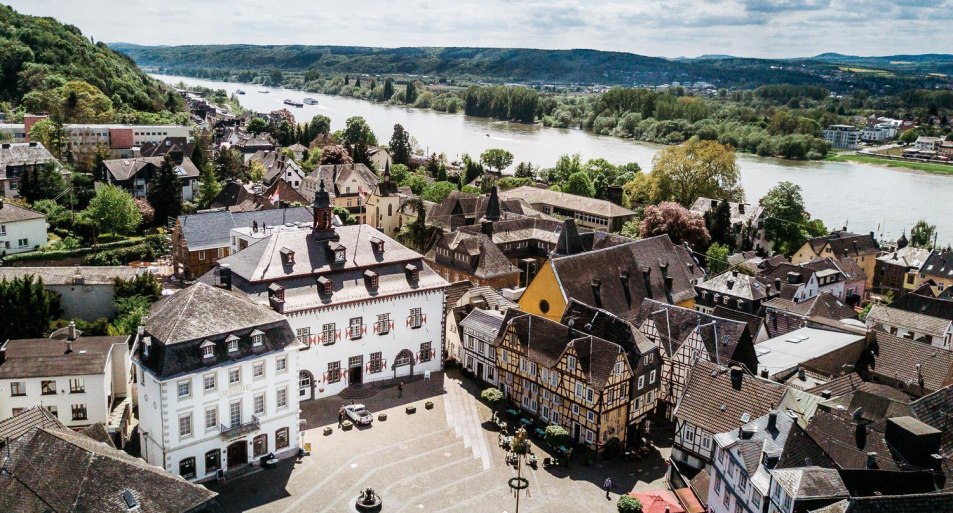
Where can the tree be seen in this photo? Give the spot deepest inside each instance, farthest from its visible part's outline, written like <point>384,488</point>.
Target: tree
<point>416,234</point>
<point>497,159</point>
<point>526,170</point>
<point>335,154</point>
<point>257,126</point>
<point>718,222</point>
<point>417,183</point>
<point>145,285</point>
<point>786,221</point>
<point>909,136</point>
<point>433,165</point>
<point>43,181</point>
<point>399,173</point>
<point>438,191</point>
<point>580,185</point>
<point>129,314</point>
<point>51,134</point>
<point>717,258</point>
<point>344,215</point>
<point>256,171</point>
<point>113,210</point>
<point>410,96</point>
<point>921,235</point>
<point>681,224</point>
<point>630,229</point>
<point>565,166</point>
<point>27,307</point>
<point>400,147</point>
<point>165,192</point>
<point>358,138</point>
<point>491,396</point>
<point>511,182</point>
<point>471,170</point>
<point>696,168</point>
<point>388,90</point>
<point>198,152</point>
<point>555,435</point>
<point>209,186</point>
<point>228,164</point>
<point>629,504</point>
<point>319,125</point>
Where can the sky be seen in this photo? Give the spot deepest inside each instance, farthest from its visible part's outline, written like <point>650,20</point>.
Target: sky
<point>668,28</point>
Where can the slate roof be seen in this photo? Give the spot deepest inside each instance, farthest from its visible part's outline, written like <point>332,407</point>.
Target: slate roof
<point>675,325</point>
<point>484,259</point>
<point>754,322</point>
<point>909,257</point>
<point>852,382</point>
<point>845,266</point>
<point>493,299</point>
<point>37,416</point>
<point>741,213</point>
<point>276,165</point>
<point>936,409</point>
<point>848,445</point>
<point>894,317</point>
<point>939,307</point>
<point>909,503</point>
<point>88,476</point>
<point>735,284</point>
<point>484,321</point>
<point>341,174</point>
<point>699,485</point>
<point>207,230</point>
<point>716,402</point>
<point>824,305</point>
<point>19,154</point>
<point>762,439</point>
<point>536,195</point>
<point>462,208</point>
<point>91,275</point>
<point>846,244</point>
<point>939,264</point>
<point>125,169</point>
<point>874,405</point>
<point>10,213</point>
<point>894,359</point>
<point>456,291</point>
<point>43,357</point>
<point>167,145</point>
<point>605,325</point>
<point>811,482</point>
<point>643,260</point>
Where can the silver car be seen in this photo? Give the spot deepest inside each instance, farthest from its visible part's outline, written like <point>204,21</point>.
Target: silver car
<point>358,414</point>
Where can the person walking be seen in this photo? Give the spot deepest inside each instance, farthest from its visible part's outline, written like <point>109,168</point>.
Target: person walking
<point>607,485</point>
<point>400,389</point>
<point>340,417</point>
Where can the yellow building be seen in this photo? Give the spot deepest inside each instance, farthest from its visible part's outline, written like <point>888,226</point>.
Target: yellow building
<point>348,184</point>
<point>383,206</point>
<point>863,250</point>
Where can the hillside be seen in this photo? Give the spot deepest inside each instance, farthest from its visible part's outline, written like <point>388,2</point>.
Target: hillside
<point>40,56</point>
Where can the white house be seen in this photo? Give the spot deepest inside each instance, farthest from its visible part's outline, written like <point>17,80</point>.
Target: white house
<point>17,159</point>
<point>21,229</point>
<point>480,331</point>
<point>80,380</point>
<point>86,292</point>
<point>366,308</point>
<point>215,383</point>
<point>917,326</point>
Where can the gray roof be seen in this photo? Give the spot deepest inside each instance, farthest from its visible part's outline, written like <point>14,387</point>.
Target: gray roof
<point>68,275</point>
<point>787,352</point>
<point>811,482</point>
<point>908,256</point>
<point>895,317</point>
<point>124,169</point>
<point>19,154</point>
<point>483,321</point>
<point>208,230</point>
<point>536,196</point>
<point>10,213</point>
<point>43,357</point>
<point>741,213</point>
<point>494,300</point>
<point>338,177</point>
<point>733,283</point>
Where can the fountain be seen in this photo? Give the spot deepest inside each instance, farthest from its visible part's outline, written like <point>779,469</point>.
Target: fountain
<point>368,501</point>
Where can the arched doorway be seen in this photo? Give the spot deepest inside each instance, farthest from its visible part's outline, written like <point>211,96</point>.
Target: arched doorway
<point>403,359</point>
<point>305,385</point>
<point>237,453</point>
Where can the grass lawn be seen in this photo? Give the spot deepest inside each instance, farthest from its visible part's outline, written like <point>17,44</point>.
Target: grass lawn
<point>937,169</point>
<point>870,71</point>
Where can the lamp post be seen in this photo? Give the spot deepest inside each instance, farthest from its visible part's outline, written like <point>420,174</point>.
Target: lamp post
<point>520,448</point>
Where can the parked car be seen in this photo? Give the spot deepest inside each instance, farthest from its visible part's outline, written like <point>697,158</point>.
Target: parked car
<point>358,414</point>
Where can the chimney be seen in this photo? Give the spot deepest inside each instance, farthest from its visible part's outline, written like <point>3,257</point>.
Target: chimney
<point>730,283</point>
<point>772,419</point>
<point>1,202</point>
<point>764,374</point>
<point>5,146</point>
<point>741,208</point>
<point>777,284</point>
<point>746,432</point>
<point>826,394</point>
<point>801,374</point>
<point>668,283</point>
<point>486,228</point>
<point>871,460</point>
<point>596,292</point>
<point>714,203</point>
<point>71,331</point>
<point>225,276</point>
<point>493,206</point>
<point>916,441</point>
<point>32,144</point>
<point>736,376</point>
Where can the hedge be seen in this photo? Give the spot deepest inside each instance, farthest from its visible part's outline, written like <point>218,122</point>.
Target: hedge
<point>150,241</point>
<point>121,256</point>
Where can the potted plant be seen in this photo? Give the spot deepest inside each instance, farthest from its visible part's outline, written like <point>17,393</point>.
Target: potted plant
<point>492,397</point>
<point>428,405</point>
<point>347,425</point>
<point>410,409</point>
<point>328,430</point>
<point>628,504</point>
<point>382,417</point>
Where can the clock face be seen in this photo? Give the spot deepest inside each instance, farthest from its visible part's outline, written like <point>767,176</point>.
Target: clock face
<point>338,256</point>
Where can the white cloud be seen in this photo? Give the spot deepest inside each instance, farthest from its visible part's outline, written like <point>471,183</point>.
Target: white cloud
<point>757,28</point>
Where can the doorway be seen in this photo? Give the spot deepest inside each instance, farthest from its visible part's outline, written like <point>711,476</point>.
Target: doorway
<point>576,433</point>
<point>355,375</point>
<point>237,454</point>
<point>480,370</point>
<point>305,385</point>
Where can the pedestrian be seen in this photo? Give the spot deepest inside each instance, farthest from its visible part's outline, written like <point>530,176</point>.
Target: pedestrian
<point>340,417</point>
<point>607,485</point>
<point>400,389</point>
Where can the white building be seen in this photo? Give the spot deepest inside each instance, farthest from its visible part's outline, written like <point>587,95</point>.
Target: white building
<point>480,331</point>
<point>216,375</point>
<point>366,308</point>
<point>926,143</point>
<point>17,159</point>
<point>21,229</point>
<point>917,326</point>
<point>843,137</point>
<point>80,380</point>
<point>86,292</point>
<point>879,133</point>
<point>113,136</point>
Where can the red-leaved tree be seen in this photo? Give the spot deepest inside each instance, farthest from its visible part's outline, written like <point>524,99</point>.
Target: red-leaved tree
<point>681,224</point>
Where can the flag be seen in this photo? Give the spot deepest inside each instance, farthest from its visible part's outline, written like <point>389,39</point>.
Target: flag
<point>360,192</point>
<point>274,197</point>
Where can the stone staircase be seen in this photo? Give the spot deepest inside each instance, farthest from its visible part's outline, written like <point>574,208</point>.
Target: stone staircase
<point>362,391</point>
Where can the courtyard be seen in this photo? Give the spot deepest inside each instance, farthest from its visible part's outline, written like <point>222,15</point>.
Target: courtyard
<point>442,459</point>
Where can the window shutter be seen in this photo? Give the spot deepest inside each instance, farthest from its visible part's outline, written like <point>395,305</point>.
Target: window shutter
<point>423,318</point>
<point>391,324</point>
<point>408,321</point>
<point>364,329</point>
<point>337,335</point>
<point>375,328</point>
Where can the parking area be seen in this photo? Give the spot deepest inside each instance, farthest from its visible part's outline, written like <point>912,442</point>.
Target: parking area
<point>443,459</point>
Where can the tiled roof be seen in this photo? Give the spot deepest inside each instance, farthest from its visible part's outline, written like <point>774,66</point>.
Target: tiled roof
<point>658,501</point>
<point>19,154</point>
<point>936,409</point>
<point>90,275</point>
<point>699,485</point>
<point>908,257</point>
<point>939,264</point>
<point>895,359</point>
<point>207,230</point>
<point>536,195</point>
<point>848,445</point>
<point>735,284</point>
<point>605,325</point>
<point>493,299</point>
<point>675,325</point>
<point>43,357</point>
<point>716,401</point>
<point>846,244</point>
<point>910,503</point>
<point>461,208</point>
<point>484,321</point>
<point>87,476</point>
<point>456,291</point>
<point>741,213</point>
<point>10,213</point>
<point>339,177</point>
<point>811,482</point>
<point>753,321</point>
<point>37,416</point>
<point>627,274</point>
<point>824,305</point>
<point>124,169</point>
<point>485,259</point>
<point>894,317</point>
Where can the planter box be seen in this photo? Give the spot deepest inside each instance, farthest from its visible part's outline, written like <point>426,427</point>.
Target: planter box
<point>328,431</point>
<point>382,417</point>
<point>428,405</point>
<point>411,409</point>
<point>347,425</point>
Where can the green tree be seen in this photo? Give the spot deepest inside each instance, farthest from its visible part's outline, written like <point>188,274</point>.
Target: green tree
<point>717,258</point>
<point>921,235</point>
<point>399,173</point>
<point>786,221</point>
<point>580,185</point>
<point>471,170</point>
<point>51,134</point>
<point>416,234</point>
<point>129,314</point>
<point>27,307</point>
<point>433,165</point>
<point>696,168</point>
<point>145,285</point>
<point>556,435</point>
<point>113,210</point>
<point>438,191</point>
<point>526,170</point>
<point>410,96</point>
<point>209,186</point>
<point>511,182</point>
<point>491,396</point>
<point>496,159</point>
<point>629,504</point>
<point>388,90</point>
<point>319,125</point>
<point>165,193</point>
<point>344,215</point>
<point>909,136</point>
<point>400,146</point>
<point>417,183</point>
<point>630,229</point>
<point>718,222</point>
<point>44,181</point>
<point>228,164</point>
<point>565,166</point>
<point>256,126</point>
<point>681,224</point>
<point>256,171</point>
<point>358,138</point>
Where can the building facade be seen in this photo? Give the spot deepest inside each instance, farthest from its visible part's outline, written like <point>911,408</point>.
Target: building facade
<point>16,159</point>
<point>21,229</point>
<point>843,137</point>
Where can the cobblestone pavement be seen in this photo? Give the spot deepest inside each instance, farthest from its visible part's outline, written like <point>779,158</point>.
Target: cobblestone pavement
<point>439,460</point>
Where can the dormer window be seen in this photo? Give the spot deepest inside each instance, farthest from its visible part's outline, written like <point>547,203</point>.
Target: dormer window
<point>276,292</point>
<point>324,285</point>
<point>208,349</point>
<point>146,344</point>
<point>377,245</point>
<point>287,256</point>
<point>257,338</point>
<point>231,343</point>
<point>371,279</point>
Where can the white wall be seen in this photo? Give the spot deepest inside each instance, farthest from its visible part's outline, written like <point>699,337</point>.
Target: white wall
<point>87,302</point>
<point>34,230</point>
<point>95,397</point>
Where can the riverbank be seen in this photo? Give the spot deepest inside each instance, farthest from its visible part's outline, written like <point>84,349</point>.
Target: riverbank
<point>920,167</point>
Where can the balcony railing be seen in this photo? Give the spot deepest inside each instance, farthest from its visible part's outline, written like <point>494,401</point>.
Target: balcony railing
<point>241,429</point>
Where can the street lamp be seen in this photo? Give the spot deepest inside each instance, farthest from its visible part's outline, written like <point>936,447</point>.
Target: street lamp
<point>520,449</point>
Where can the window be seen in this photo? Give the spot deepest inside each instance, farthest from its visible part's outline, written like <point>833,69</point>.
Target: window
<point>185,425</point>
<point>17,411</point>
<point>727,498</point>
<point>377,362</point>
<point>649,357</point>
<point>689,433</point>
<point>234,375</point>
<point>717,483</point>
<point>211,418</point>
<point>652,377</point>
<point>571,362</point>
<point>213,460</point>
<point>328,333</point>
<point>532,369</point>
<point>553,379</point>
<point>303,334</point>
<point>610,396</point>
<point>281,364</point>
<point>54,411</point>
<point>235,413</point>
<point>356,326</point>
<point>208,351</point>
<point>281,438</point>
<point>578,389</point>
<point>641,382</point>
<point>589,395</point>
<point>426,353</point>
<point>575,409</point>
<point>383,324</point>
<point>259,403</point>
<point>185,388</point>
<point>18,388</point>
<point>589,436</point>
<point>257,339</point>
<point>756,499</point>
<point>77,386</point>
<point>232,345</point>
<point>618,368</point>
<point>334,372</point>
<point>23,242</point>
<point>416,318</point>
<point>282,398</point>
<point>258,370</point>
<point>554,417</point>
<point>79,412</point>
<point>187,468</point>
<point>706,441</point>
<point>208,382</point>
<point>591,416</point>
<point>48,387</point>
<point>523,364</point>
<point>201,255</point>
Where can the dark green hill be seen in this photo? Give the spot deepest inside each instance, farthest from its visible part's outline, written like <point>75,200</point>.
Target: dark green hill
<point>40,54</point>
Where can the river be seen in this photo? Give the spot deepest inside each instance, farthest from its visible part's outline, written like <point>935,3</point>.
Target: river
<point>863,197</point>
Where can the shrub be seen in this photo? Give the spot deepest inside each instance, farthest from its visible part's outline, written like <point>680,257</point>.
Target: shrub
<point>556,435</point>
<point>629,504</point>
<point>492,396</point>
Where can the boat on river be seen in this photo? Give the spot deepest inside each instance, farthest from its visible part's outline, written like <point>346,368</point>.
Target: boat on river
<point>310,101</point>
<point>294,103</point>
<point>264,91</point>
<point>239,91</point>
